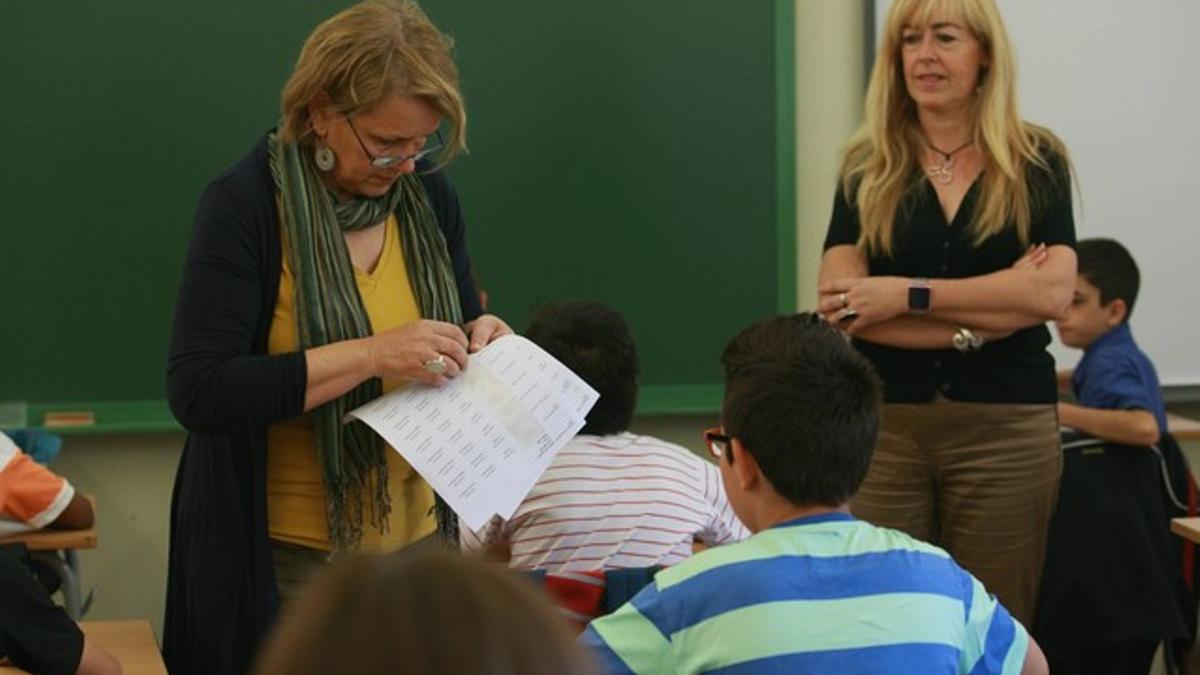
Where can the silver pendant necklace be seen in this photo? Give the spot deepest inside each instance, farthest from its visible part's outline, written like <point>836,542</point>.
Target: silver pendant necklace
<point>942,169</point>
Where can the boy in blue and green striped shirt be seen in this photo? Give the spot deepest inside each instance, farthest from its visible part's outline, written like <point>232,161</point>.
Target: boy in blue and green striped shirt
<point>814,590</point>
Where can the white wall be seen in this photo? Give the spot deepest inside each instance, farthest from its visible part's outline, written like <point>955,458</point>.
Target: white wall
<point>131,476</point>
<point>829,99</point>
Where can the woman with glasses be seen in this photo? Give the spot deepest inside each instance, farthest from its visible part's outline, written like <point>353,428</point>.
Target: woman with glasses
<point>950,245</point>
<point>326,267</point>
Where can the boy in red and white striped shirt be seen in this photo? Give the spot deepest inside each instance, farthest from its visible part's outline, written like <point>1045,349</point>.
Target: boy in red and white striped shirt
<point>610,499</point>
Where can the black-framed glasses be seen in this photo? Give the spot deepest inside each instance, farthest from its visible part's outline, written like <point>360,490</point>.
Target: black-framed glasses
<point>383,162</point>
<point>718,443</point>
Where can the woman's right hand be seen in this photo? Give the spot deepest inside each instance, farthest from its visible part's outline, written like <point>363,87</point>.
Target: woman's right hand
<point>401,353</point>
<point>1034,256</point>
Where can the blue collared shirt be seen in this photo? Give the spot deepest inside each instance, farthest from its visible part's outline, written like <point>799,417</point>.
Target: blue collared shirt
<point>1115,375</point>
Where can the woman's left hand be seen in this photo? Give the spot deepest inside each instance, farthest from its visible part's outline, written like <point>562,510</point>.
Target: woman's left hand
<point>483,330</point>
<point>853,304</point>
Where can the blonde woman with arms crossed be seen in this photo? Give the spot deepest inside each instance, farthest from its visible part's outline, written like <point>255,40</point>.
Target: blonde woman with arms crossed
<point>950,245</point>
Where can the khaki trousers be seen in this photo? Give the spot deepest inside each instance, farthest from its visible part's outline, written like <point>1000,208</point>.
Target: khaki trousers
<point>978,479</point>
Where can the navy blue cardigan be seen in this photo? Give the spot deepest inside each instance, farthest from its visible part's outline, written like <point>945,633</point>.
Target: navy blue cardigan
<point>225,390</point>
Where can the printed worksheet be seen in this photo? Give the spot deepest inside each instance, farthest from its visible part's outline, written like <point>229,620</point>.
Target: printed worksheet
<point>485,438</point>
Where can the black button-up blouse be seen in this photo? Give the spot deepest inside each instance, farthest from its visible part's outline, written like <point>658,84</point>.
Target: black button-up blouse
<point>1017,369</point>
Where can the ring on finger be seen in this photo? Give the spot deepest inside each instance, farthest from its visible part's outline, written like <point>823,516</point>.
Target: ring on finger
<point>437,366</point>
<point>844,299</point>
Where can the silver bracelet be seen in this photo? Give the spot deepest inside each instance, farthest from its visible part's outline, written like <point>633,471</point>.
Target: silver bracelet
<point>965,340</point>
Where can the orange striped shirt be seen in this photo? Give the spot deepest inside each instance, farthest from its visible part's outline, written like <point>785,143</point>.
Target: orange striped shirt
<point>31,496</point>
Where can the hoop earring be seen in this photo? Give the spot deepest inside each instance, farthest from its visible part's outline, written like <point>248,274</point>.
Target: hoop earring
<point>324,158</point>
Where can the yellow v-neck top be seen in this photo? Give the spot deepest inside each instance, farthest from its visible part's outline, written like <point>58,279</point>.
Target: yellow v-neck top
<point>295,491</point>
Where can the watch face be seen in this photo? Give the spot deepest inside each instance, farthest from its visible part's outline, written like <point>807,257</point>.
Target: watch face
<point>918,298</point>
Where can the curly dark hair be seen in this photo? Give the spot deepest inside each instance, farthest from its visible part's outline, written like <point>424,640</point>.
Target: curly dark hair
<point>593,341</point>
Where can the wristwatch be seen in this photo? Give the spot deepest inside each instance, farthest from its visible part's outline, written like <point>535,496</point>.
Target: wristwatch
<point>965,340</point>
<point>918,296</point>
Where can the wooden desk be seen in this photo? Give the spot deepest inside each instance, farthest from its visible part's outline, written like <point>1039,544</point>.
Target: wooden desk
<point>1188,528</point>
<point>58,550</point>
<point>1183,428</point>
<point>54,540</point>
<point>131,642</point>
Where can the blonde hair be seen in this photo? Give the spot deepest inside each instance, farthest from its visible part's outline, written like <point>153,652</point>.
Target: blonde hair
<point>431,613</point>
<point>371,51</point>
<point>883,154</point>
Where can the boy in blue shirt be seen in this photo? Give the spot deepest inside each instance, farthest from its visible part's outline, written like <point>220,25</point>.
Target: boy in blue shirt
<point>1110,589</point>
<point>1115,383</point>
<point>814,590</point>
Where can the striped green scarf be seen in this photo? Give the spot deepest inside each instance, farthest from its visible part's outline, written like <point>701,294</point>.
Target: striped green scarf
<point>329,309</point>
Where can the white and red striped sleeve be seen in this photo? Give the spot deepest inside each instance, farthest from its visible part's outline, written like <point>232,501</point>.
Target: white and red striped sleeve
<point>31,496</point>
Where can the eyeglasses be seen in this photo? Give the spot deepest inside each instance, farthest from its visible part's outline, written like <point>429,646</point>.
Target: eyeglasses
<point>718,443</point>
<point>385,162</point>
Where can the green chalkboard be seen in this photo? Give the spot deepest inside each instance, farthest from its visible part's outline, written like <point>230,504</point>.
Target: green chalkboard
<point>635,152</point>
